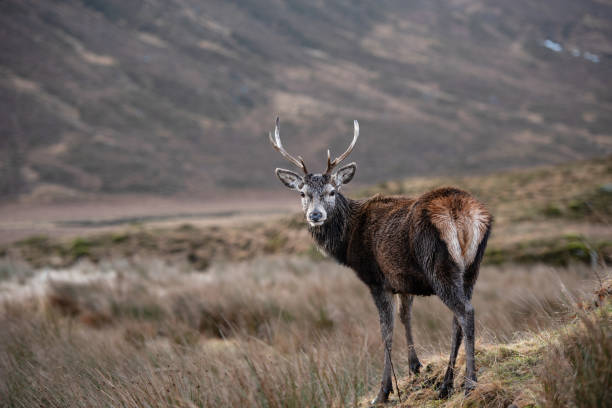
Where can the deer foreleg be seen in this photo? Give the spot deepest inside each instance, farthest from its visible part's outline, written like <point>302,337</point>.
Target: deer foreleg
<point>385,303</point>
<point>405,312</point>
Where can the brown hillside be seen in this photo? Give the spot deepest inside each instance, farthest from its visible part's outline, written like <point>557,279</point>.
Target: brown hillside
<point>167,96</point>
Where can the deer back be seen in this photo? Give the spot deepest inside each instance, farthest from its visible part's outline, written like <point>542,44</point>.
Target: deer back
<point>395,241</point>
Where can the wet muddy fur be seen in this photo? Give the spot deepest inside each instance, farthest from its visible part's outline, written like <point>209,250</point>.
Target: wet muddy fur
<point>431,245</point>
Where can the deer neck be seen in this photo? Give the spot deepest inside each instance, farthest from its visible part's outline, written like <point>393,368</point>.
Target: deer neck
<point>332,236</point>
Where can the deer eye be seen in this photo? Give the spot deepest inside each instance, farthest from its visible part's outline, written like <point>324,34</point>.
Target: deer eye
<point>302,194</point>
<point>332,193</point>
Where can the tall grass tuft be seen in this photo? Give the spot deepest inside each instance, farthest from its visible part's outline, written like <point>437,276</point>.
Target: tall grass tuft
<point>577,369</point>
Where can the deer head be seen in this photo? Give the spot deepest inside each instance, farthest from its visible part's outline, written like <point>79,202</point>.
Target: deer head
<point>317,190</point>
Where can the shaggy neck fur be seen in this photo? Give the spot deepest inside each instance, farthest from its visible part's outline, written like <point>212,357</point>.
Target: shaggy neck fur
<point>333,235</point>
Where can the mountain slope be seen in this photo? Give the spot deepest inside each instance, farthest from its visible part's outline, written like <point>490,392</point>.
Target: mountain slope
<point>171,96</point>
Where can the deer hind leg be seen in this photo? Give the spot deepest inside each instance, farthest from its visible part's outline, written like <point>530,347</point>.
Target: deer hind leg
<point>458,301</point>
<point>447,385</point>
<point>405,316</point>
<point>385,303</point>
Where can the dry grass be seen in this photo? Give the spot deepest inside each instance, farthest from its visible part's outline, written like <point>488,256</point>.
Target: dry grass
<point>267,332</point>
<point>565,365</point>
<point>506,375</point>
<point>576,369</point>
<point>241,335</point>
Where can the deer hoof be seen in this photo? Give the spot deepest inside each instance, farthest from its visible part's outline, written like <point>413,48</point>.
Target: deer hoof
<point>469,386</point>
<point>381,398</point>
<point>445,391</point>
<point>415,366</point>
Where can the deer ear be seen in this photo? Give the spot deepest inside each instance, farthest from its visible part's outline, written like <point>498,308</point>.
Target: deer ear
<point>344,174</point>
<point>290,179</point>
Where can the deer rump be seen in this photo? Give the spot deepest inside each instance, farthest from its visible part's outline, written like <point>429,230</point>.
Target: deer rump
<point>417,242</point>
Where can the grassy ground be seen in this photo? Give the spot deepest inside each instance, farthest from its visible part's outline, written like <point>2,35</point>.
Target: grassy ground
<point>214,316</point>
<point>273,331</point>
<point>567,365</point>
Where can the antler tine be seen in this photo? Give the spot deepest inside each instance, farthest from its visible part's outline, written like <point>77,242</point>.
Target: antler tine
<point>331,164</point>
<point>277,144</point>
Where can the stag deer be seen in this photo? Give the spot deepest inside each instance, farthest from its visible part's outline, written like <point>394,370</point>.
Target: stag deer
<point>428,245</point>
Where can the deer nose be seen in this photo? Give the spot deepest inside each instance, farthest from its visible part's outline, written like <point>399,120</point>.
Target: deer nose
<point>315,216</point>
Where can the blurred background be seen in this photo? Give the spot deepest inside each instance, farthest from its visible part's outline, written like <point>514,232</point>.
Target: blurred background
<point>137,189</point>
<point>175,98</point>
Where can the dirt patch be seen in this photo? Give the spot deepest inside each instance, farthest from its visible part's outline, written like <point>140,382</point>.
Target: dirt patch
<point>107,213</point>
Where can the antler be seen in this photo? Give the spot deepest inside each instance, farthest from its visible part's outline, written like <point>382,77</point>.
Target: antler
<point>276,143</point>
<point>331,164</point>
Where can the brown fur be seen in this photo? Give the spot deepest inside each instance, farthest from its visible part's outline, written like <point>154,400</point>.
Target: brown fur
<point>387,232</point>
<point>432,244</point>
<point>460,219</point>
